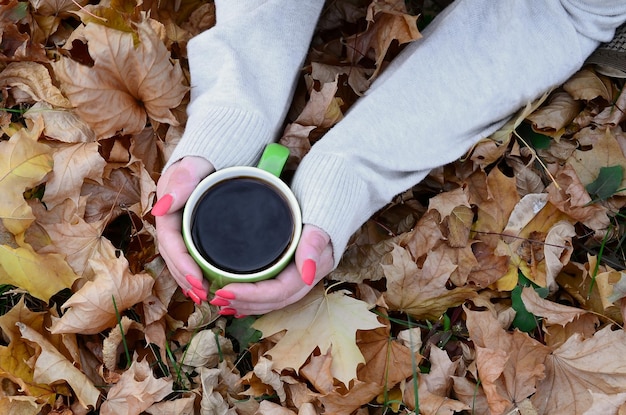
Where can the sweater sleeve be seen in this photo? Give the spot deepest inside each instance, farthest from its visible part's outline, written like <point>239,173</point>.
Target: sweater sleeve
<point>478,62</point>
<point>243,72</point>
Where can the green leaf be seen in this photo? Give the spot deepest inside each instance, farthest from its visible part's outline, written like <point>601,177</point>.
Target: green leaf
<point>535,139</point>
<point>241,330</point>
<point>607,183</point>
<point>525,320</point>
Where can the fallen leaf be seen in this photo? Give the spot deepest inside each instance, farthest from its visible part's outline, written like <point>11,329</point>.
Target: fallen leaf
<point>24,163</point>
<point>52,367</point>
<point>586,85</point>
<point>552,312</point>
<point>42,275</point>
<point>422,293</point>
<point>136,391</point>
<point>580,367</point>
<point>325,320</point>
<point>129,82</point>
<point>206,348</point>
<point>553,117</point>
<point>91,309</point>
<point>34,79</point>
<point>73,164</point>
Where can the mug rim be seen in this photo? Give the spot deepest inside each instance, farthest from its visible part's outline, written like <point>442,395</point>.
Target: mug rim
<point>241,172</point>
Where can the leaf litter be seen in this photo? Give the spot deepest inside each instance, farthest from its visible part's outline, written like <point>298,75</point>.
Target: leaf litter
<point>495,286</point>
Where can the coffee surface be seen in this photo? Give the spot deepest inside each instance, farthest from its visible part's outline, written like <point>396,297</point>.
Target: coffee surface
<point>242,225</point>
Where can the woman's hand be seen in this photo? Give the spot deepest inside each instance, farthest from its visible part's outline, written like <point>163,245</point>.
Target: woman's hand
<point>313,261</point>
<point>173,190</point>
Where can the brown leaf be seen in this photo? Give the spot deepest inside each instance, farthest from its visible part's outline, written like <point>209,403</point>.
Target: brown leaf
<point>33,79</point>
<point>359,394</point>
<point>422,293</point>
<point>387,22</point>
<point>91,309</point>
<point>579,367</point>
<point>509,364</point>
<point>553,117</point>
<point>586,85</point>
<point>52,367</point>
<point>60,123</point>
<point>136,391</point>
<point>125,84</point>
<point>73,164</point>
<point>552,312</point>
<point>387,361</point>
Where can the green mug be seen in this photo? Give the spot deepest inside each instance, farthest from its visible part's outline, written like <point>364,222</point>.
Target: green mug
<point>242,223</point>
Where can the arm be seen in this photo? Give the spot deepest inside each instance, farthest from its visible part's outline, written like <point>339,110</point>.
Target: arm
<point>477,63</point>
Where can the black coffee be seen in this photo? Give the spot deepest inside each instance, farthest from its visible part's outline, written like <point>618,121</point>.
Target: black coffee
<point>242,225</point>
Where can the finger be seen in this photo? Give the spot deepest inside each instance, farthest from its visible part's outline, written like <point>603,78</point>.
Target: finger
<point>177,183</point>
<point>174,251</point>
<point>265,296</point>
<point>312,252</point>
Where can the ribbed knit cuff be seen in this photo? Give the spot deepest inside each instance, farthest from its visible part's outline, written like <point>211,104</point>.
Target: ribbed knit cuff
<point>333,197</point>
<point>225,136</point>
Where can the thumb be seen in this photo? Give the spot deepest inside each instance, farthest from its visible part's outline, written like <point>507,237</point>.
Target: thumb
<point>314,254</point>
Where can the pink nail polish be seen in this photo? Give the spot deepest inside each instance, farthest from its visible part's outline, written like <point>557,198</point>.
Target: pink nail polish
<point>241,316</point>
<point>194,297</point>
<point>225,294</point>
<point>219,302</point>
<point>162,205</point>
<point>227,312</point>
<point>309,268</point>
<point>194,282</point>
<point>202,295</point>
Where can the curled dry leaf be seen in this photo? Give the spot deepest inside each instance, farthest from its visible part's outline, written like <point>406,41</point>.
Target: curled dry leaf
<point>136,391</point>
<point>125,84</point>
<point>91,309</point>
<point>24,163</point>
<point>52,367</point>
<point>33,79</point>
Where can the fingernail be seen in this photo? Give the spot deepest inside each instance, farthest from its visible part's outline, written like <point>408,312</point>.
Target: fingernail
<point>241,316</point>
<point>308,271</point>
<point>225,294</point>
<point>194,297</point>
<point>227,312</point>
<point>219,302</point>
<point>200,293</point>
<point>194,282</point>
<point>162,205</point>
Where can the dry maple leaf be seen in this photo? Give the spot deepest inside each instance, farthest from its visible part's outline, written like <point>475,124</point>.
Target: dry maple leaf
<point>51,367</point>
<point>580,367</point>
<point>91,309</point>
<point>73,163</point>
<point>33,79</point>
<point>136,391</point>
<point>325,320</point>
<point>126,82</point>
<point>422,292</point>
<point>509,364</point>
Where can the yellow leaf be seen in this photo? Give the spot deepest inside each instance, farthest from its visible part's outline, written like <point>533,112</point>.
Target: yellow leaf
<point>42,275</point>
<point>52,367</point>
<point>325,320</point>
<point>91,310</point>
<point>23,164</point>
<point>125,84</point>
<point>14,358</point>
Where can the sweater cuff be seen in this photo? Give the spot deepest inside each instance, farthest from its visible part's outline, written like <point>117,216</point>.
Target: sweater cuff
<point>225,136</point>
<point>332,197</point>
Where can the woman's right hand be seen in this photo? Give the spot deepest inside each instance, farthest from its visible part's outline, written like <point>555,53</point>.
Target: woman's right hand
<point>173,189</point>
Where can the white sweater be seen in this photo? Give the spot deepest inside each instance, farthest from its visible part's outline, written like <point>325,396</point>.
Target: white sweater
<point>478,62</point>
